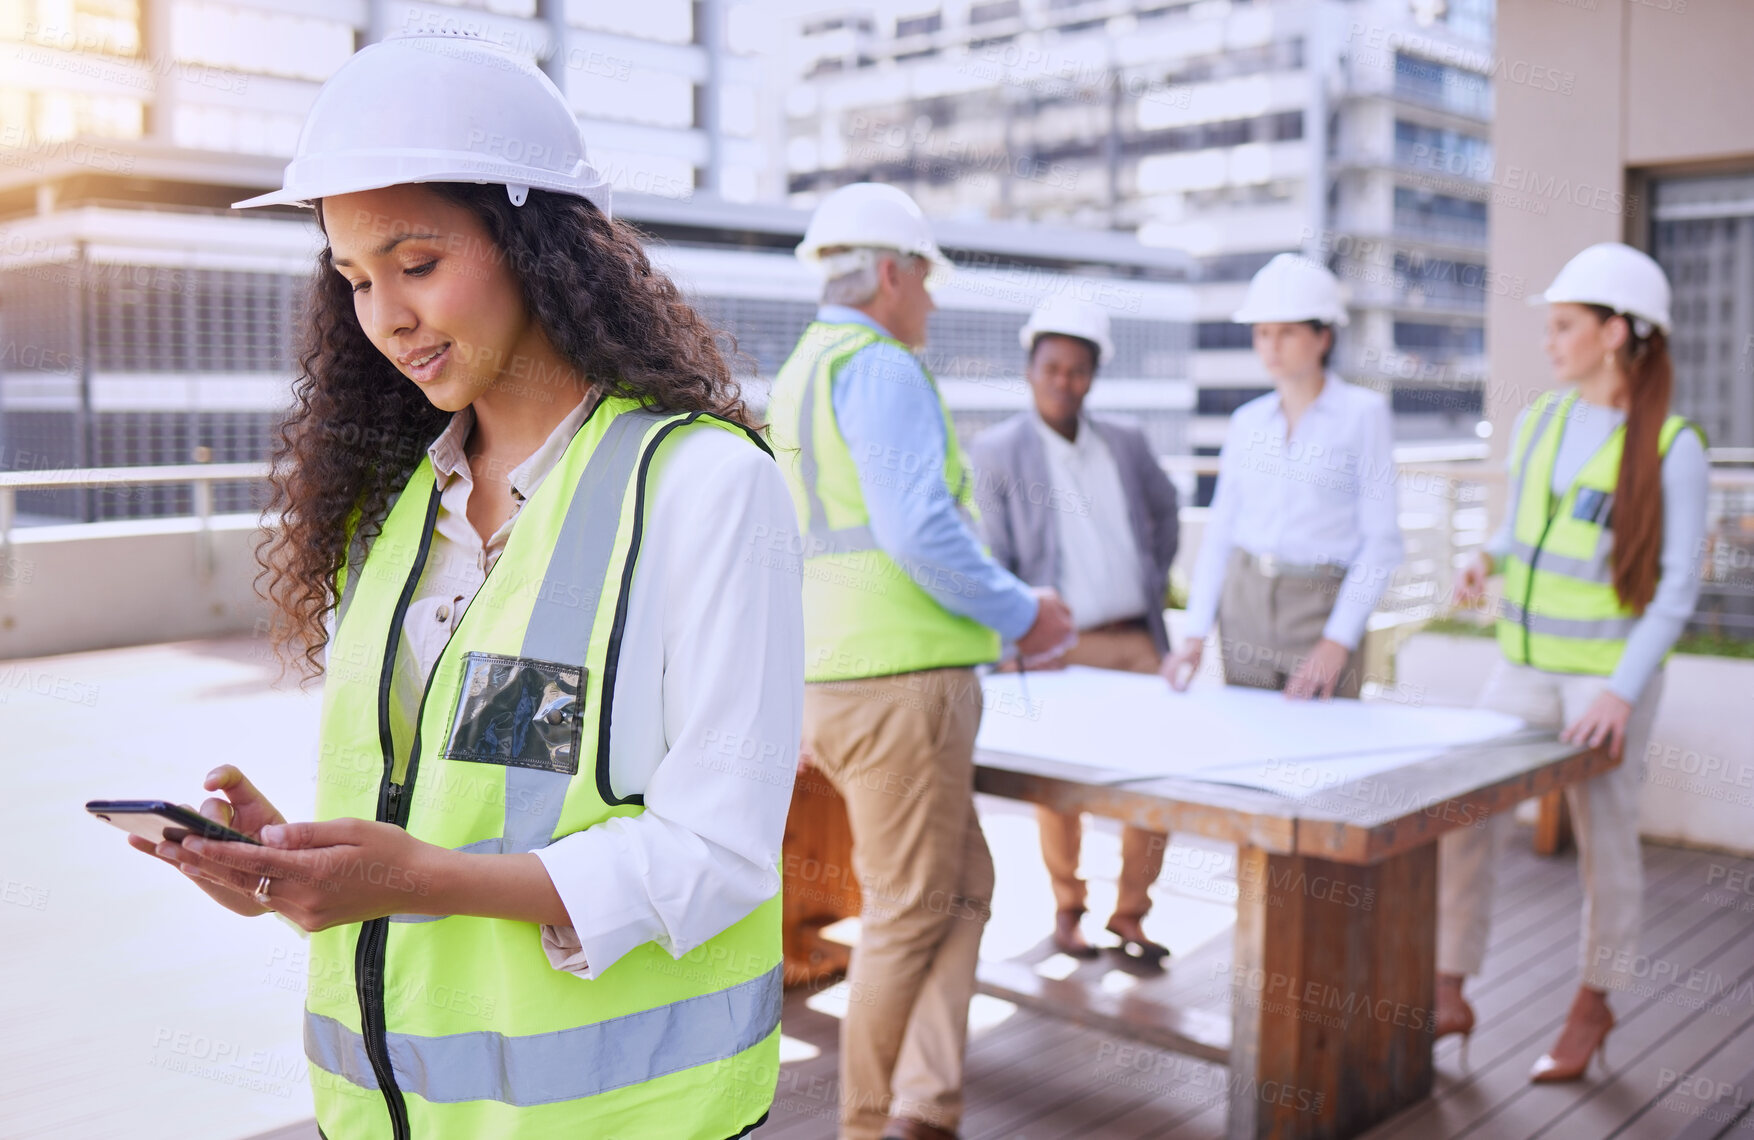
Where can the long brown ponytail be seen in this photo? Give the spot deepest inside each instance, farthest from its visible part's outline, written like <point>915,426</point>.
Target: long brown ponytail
<point>1638,492</point>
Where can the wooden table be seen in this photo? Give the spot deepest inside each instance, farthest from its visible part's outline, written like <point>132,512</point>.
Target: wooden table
<point>1333,974</point>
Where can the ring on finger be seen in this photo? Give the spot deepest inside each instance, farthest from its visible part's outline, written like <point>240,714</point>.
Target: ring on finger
<point>261,891</point>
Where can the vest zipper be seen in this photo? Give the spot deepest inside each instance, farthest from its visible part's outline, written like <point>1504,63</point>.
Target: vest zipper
<point>1529,592</point>
<point>368,957</point>
<point>395,801</point>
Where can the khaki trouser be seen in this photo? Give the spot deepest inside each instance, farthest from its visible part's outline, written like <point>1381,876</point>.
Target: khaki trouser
<point>1268,625</point>
<point>1604,815</point>
<point>1062,833</point>
<point>900,750</point>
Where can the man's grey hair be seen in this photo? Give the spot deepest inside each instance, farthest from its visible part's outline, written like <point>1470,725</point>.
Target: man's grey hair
<point>852,273</point>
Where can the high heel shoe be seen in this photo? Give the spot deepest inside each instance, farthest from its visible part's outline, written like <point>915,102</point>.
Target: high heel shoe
<point>1133,941</point>
<point>1454,1016</point>
<point>1554,1070</point>
<point>1068,939</point>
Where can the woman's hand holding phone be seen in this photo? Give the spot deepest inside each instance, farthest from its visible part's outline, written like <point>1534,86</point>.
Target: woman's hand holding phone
<point>244,809</point>
<point>336,871</point>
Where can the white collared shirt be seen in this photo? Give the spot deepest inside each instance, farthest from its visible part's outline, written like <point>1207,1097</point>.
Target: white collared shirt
<point>1325,495</point>
<point>1099,558</point>
<point>708,691</point>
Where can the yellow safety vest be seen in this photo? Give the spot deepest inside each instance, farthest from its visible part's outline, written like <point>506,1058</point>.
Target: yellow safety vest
<point>1559,611</point>
<point>864,615</point>
<point>457,1028</point>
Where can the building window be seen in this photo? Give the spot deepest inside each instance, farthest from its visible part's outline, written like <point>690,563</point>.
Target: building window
<point>1437,280</point>
<point>1439,85</point>
<point>998,10</point>
<point>1445,151</point>
<point>1442,340</point>
<point>919,25</point>
<point>1222,335</point>
<point>1224,401</point>
<point>1442,217</point>
<point>1448,400</point>
<point>1286,126</point>
<point>860,24</point>
<point>1703,237</point>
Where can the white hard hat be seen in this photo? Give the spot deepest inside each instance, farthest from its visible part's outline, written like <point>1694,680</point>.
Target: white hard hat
<point>1066,315</point>
<point>430,107</point>
<point>1618,276</point>
<point>1293,288</point>
<point>869,215</point>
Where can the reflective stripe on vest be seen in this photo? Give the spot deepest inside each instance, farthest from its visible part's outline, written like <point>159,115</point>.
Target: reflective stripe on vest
<point>865,614</point>
<point>1560,611</point>
<point>565,1065</point>
<point>458,1027</point>
<point>1599,629</point>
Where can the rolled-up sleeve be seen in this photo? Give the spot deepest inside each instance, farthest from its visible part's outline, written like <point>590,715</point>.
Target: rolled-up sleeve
<point>721,576</point>
<point>1380,548</point>
<point>889,413</point>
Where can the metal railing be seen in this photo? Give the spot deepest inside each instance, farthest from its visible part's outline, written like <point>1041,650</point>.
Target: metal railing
<point>199,476</point>
<point>1444,490</point>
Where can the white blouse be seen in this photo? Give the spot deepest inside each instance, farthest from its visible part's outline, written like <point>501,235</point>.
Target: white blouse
<point>708,697</point>
<point>1323,494</point>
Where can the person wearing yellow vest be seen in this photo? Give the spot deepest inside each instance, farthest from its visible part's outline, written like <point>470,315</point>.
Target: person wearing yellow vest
<point>1599,557</point>
<point>901,602</point>
<point>523,518</point>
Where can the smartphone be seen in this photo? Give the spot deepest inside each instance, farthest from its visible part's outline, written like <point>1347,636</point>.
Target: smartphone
<point>157,821</point>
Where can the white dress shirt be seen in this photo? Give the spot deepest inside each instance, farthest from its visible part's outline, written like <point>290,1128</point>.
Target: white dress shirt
<point>1099,558</point>
<point>708,692</point>
<point>1325,495</point>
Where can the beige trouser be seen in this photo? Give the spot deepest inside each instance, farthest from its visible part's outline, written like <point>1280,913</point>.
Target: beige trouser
<point>900,750</point>
<point>1604,814</point>
<point>1062,832</point>
<point>1268,625</point>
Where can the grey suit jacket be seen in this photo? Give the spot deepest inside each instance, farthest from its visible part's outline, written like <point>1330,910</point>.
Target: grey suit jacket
<point>1018,520</point>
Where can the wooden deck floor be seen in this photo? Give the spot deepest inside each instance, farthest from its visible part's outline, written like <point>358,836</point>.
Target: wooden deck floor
<point>1680,1056</point>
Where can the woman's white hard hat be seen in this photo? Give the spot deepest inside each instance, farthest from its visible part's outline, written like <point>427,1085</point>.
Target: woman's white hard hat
<point>869,216</point>
<point>1293,288</point>
<point>1065,315</point>
<point>1616,275</point>
<point>432,107</point>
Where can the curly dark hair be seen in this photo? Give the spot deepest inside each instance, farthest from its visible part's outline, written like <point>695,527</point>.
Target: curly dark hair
<point>357,428</point>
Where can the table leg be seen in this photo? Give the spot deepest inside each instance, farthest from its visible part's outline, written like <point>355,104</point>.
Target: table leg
<point>820,887</point>
<point>1552,824</point>
<point>1332,992</point>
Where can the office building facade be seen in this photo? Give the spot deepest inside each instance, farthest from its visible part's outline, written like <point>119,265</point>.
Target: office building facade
<point>1358,133</point>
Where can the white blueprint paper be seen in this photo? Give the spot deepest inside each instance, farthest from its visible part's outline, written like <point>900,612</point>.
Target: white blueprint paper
<point>1135,724</point>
